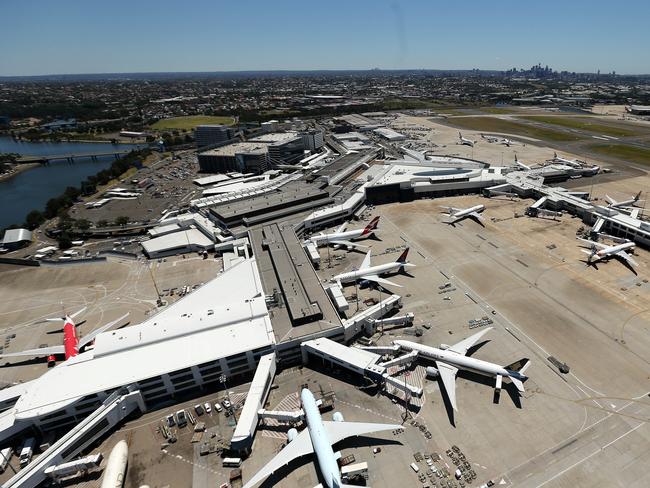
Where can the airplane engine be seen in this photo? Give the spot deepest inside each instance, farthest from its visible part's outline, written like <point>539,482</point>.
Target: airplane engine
<point>337,417</point>
<point>444,346</point>
<point>432,372</point>
<point>292,434</point>
<point>51,360</point>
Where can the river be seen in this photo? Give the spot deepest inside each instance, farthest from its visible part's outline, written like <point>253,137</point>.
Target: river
<point>32,188</point>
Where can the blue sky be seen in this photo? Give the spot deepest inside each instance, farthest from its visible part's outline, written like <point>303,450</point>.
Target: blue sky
<point>101,36</point>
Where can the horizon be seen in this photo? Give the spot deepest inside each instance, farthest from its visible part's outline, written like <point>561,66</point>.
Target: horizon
<point>73,38</point>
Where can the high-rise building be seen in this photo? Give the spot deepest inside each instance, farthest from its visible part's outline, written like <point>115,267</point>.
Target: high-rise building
<point>312,139</point>
<point>207,135</point>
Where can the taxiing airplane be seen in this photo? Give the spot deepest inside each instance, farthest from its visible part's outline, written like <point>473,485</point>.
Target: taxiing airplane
<point>318,438</point>
<point>464,141</point>
<point>453,358</point>
<point>343,238</point>
<point>600,251</point>
<point>366,272</point>
<point>72,344</point>
<point>624,203</point>
<point>458,214</point>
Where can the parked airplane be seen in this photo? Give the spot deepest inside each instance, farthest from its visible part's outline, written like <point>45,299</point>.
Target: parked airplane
<point>571,162</point>
<point>458,214</point>
<point>522,165</point>
<point>600,251</point>
<point>490,138</point>
<point>506,142</point>
<point>450,359</point>
<point>318,438</point>
<point>464,141</point>
<point>624,203</point>
<point>343,238</point>
<point>72,344</point>
<point>366,272</point>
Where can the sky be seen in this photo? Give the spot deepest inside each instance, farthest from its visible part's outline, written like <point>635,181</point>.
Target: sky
<point>122,36</point>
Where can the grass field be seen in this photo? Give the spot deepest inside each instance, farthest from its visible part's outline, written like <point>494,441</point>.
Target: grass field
<point>626,153</point>
<point>493,124</point>
<point>190,122</point>
<point>584,123</point>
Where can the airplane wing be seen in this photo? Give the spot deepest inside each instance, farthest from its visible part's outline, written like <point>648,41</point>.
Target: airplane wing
<point>42,351</point>
<point>476,215</point>
<point>593,243</point>
<point>380,281</point>
<point>72,316</point>
<point>90,337</point>
<point>627,257</point>
<point>342,227</point>
<point>337,431</point>
<point>346,243</point>
<point>451,210</point>
<point>462,346</point>
<point>366,262</point>
<point>300,446</point>
<point>610,200</point>
<point>448,377</point>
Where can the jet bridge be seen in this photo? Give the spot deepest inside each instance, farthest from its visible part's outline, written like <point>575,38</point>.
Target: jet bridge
<point>115,408</point>
<point>360,361</point>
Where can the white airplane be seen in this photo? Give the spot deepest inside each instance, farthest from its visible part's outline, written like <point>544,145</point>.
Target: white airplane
<point>600,251</point>
<point>366,272</point>
<point>458,214</point>
<point>571,162</point>
<point>624,203</point>
<point>490,138</point>
<point>343,238</point>
<point>522,165</point>
<point>464,141</point>
<point>318,438</point>
<point>452,358</point>
<point>506,142</point>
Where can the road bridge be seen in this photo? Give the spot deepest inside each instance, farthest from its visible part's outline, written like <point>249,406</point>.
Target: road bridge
<point>70,157</point>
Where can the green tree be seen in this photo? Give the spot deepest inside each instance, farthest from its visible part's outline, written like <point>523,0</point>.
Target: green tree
<point>34,219</point>
<point>102,223</point>
<point>64,241</point>
<point>82,224</point>
<point>121,220</point>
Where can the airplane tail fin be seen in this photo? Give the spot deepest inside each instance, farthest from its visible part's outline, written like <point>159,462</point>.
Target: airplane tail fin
<point>638,195</point>
<point>371,226</point>
<point>402,257</point>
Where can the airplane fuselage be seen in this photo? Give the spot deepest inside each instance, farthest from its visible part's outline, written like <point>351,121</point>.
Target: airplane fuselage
<point>372,270</point>
<point>70,339</point>
<point>608,251</point>
<point>321,444</point>
<point>349,235</point>
<point>459,360</point>
<point>467,211</point>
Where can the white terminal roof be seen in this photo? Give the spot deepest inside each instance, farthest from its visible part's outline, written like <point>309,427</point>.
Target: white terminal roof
<point>274,137</point>
<point>390,134</point>
<point>224,317</point>
<point>426,173</point>
<point>17,235</point>
<point>210,180</point>
<point>175,240</point>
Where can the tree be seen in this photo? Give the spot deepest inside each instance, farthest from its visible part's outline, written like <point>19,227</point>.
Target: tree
<point>34,219</point>
<point>82,224</point>
<point>121,220</point>
<point>64,241</point>
<point>102,223</point>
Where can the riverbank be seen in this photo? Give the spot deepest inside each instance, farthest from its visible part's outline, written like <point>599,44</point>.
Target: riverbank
<point>17,169</point>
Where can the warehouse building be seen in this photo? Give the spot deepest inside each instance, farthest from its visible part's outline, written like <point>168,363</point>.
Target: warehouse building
<point>16,238</point>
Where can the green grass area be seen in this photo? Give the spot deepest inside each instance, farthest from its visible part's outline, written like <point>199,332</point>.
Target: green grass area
<point>584,123</point>
<point>623,152</point>
<point>493,124</point>
<point>500,110</point>
<point>190,122</point>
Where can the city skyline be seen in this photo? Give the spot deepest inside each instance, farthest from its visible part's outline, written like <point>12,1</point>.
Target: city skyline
<point>71,38</point>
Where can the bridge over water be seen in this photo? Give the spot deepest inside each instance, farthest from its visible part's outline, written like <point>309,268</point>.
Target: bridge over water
<point>70,157</point>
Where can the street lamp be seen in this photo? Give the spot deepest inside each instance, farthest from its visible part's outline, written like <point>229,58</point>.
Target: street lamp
<point>222,379</point>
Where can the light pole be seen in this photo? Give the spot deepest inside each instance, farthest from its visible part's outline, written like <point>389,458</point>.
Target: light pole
<point>222,379</point>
